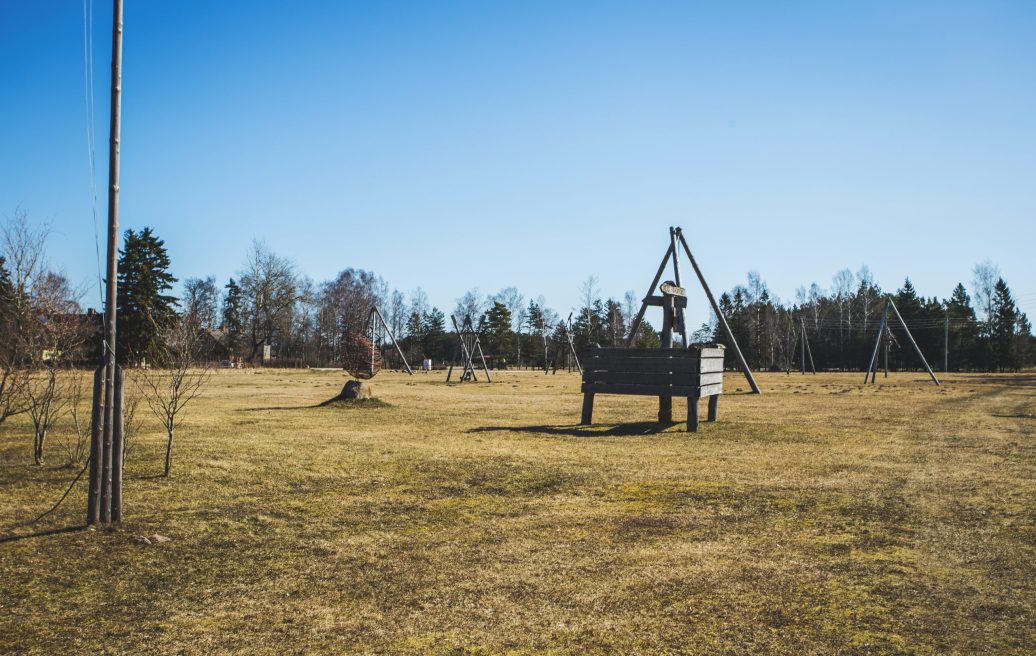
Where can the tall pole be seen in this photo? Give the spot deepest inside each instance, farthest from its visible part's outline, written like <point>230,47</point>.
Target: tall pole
<point>809,351</point>
<point>111,292</point>
<point>719,313</point>
<point>872,365</point>
<point>887,340</point>
<point>802,331</point>
<point>946,344</point>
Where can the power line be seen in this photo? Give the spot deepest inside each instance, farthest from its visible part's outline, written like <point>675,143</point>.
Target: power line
<point>88,102</point>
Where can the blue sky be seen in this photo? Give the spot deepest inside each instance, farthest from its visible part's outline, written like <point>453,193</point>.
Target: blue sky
<point>453,145</point>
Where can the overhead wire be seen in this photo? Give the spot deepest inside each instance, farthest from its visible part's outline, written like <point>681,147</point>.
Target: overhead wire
<point>91,123</point>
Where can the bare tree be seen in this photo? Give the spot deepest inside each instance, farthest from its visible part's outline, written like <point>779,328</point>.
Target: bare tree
<point>78,440</point>
<point>471,304</point>
<point>397,312</point>
<point>168,389</point>
<point>22,261</point>
<point>984,283</point>
<point>201,301</point>
<point>269,286</point>
<point>131,420</point>
<point>513,300</point>
<point>589,295</point>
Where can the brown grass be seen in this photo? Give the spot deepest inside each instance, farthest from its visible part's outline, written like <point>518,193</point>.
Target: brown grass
<point>819,518</point>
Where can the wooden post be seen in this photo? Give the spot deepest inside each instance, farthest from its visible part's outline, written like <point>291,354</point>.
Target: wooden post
<point>809,351</point>
<point>887,340</point>
<point>572,348</point>
<point>877,342</point>
<point>485,367</point>
<point>692,414</point>
<point>107,416</point>
<point>681,322</point>
<point>93,496</point>
<point>665,402</point>
<point>588,409</point>
<point>803,349</point>
<point>911,338</point>
<point>719,315</point>
<point>713,407</point>
<point>946,344</point>
<point>392,336</point>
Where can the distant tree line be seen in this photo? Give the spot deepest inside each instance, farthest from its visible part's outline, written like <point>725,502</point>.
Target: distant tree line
<point>272,304</point>
<point>271,313</point>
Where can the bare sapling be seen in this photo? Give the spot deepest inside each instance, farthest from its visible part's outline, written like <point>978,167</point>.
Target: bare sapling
<point>131,420</point>
<point>78,440</point>
<point>177,379</point>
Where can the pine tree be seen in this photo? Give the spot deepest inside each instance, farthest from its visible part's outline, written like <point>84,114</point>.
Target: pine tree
<point>1023,341</point>
<point>233,322</point>
<point>499,336</point>
<point>144,309</point>
<point>1002,328</point>
<point>963,329</point>
<point>648,337</point>
<point>433,334</point>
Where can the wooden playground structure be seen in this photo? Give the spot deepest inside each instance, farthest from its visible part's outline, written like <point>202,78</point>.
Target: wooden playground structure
<point>690,370</point>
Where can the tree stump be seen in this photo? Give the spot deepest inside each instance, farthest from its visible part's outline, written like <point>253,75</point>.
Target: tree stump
<point>358,390</point>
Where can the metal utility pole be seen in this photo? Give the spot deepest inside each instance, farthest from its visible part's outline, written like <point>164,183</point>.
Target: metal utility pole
<point>105,495</point>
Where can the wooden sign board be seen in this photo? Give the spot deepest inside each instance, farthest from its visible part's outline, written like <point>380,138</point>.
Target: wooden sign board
<point>670,289</point>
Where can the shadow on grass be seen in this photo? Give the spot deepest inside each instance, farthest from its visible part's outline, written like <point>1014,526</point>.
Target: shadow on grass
<point>599,430</point>
<point>330,403</point>
<point>41,534</point>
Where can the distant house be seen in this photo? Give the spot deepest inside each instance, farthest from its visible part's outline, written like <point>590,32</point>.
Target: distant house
<point>214,345</point>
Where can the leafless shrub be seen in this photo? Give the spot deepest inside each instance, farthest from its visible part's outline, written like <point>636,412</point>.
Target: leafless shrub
<point>178,380</point>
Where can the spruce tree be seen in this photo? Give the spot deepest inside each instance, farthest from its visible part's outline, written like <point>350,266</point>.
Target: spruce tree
<point>499,336</point>
<point>433,334</point>
<point>963,330</point>
<point>144,307</point>
<point>1002,328</point>
<point>233,321</point>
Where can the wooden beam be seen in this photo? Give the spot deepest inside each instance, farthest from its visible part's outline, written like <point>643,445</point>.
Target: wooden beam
<point>877,343</point>
<point>916,347</point>
<point>643,308</point>
<point>681,323</point>
<point>392,336</point>
<point>719,315</point>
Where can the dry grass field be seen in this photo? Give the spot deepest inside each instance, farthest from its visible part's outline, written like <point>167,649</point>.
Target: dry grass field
<point>821,517</point>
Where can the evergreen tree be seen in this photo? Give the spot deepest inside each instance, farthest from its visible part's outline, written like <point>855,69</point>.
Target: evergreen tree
<point>6,290</point>
<point>433,334</point>
<point>499,338</point>
<point>588,328</point>
<point>233,320</point>
<point>1023,341</point>
<point>963,329</point>
<point>1002,328</point>
<point>144,309</point>
<point>648,337</point>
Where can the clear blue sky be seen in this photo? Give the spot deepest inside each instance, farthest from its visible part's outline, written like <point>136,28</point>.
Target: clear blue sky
<point>452,145</point>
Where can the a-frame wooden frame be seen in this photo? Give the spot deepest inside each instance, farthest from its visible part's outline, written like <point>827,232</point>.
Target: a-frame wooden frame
<point>373,317</point>
<point>551,366</point>
<point>469,345</point>
<point>679,305</point>
<point>884,335</point>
